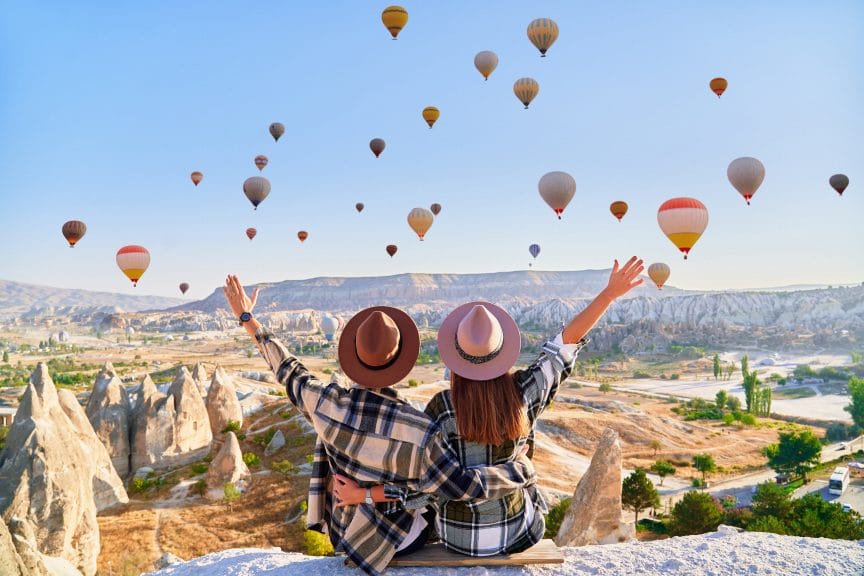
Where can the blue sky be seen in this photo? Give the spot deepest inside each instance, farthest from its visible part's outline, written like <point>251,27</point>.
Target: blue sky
<point>107,107</point>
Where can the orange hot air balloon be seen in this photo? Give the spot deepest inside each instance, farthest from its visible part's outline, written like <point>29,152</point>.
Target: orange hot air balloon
<point>359,206</point>
<point>261,162</point>
<point>431,114</point>
<point>377,146</point>
<point>302,235</point>
<point>391,249</point>
<point>618,209</point>
<point>251,233</point>
<point>133,261</point>
<point>73,231</point>
<point>184,287</point>
<point>197,177</point>
<point>420,220</point>
<point>435,208</point>
<point>526,89</point>
<point>718,85</point>
<point>683,220</point>
<point>659,273</point>
<point>394,18</point>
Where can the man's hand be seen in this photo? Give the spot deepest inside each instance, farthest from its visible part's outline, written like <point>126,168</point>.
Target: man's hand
<point>237,298</point>
<point>347,491</point>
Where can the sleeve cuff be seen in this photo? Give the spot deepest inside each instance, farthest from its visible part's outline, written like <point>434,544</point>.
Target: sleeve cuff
<point>395,493</point>
<point>567,352</point>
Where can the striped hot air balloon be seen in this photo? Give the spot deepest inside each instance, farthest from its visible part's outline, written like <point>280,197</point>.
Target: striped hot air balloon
<point>659,273</point>
<point>618,209</point>
<point>683,220</point>
<point>394,19</point>
<point>718,85</point>
<point>526,90</point>
<point>133,261</point>
<point>420,220</point>
<point>543,32</point>
<point>534,250</point>
<point>196,177</point>
<point>73,231</point>
<point>251,233</point>
<point>261,162</point>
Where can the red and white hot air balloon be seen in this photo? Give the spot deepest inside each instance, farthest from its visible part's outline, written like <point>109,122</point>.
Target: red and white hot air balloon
<point>133,260</point>
<point>251,233</point>
<point>557,190</point>
<point>683,220</point>
<point>261,162</point>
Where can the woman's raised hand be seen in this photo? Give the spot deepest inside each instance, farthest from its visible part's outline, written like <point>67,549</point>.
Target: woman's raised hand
<point>625,278</point>
<point>237,298</point>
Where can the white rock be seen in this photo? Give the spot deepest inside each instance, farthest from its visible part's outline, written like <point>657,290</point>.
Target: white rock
<point>222,403</point>
<point>228,466</point>
<point>276,443</point>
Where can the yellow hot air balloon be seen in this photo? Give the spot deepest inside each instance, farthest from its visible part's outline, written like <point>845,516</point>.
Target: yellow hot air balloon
<point>420,220</point>
<point>746,175</point>
<point>197,177</point>
<point>526,89</point>
<point>557,190</point>
<point>718,85</point>
<point>683,220</point>
<point>394,18</point>
<point>486,62</point>
<point>431,114</point>
<point>659,273</point>
<point>133,261</point>
<point>543,32</point>
<point>618,209</point>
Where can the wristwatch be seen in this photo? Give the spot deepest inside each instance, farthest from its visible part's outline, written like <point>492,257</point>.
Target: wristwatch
<point>369,499</point>
<point>245,317</point>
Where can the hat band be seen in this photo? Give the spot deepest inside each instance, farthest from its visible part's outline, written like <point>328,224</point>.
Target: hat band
<point>383,366</point>
<point>477,359</point>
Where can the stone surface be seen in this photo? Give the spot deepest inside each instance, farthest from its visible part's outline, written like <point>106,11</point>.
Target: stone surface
<point>152,431</point>
<point>108,410</point>
<point>222,403</point>
<point>199,373</point>
<point>11,563</point>
<point>191,424</point>
<point>228,466</point>
<point>594,515</point>
<point>276,443</point>
<point>46,478</point>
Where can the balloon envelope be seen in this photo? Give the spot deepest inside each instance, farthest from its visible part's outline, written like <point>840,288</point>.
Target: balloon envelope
<point>435,208</point>
<point>251,233</point>
<point>394,18</point>
<point>391,249</point>
<point>329,325</point>
<point>618,209</point>
<point>746,175</point>
<point>431,114</point>
<point>73,231</point>
<point>557,190</point>
<point>839,182</point>
<point>718,85</point>
<point>302,235</point>
<point>184,287</point>
<point>196,177</point>
<point>420,220</point>
<point>256,189</point>
<point>277,129</point>
<point>260,162</point>
<point>133,260</point>
<point>486,62</point>
<point>359,206</point>
<point>377,146</point>
<point>683,220</point>
<point>659,273</point>
<point>526,89</point>
<point>534,250</point>
<point>543,32</point>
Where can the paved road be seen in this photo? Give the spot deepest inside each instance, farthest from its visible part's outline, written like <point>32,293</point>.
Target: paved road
<point>854,494</point>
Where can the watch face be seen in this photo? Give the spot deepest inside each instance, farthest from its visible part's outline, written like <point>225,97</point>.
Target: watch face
<point>245,317</point>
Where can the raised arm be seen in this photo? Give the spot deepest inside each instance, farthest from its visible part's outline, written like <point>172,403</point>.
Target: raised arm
<point>621,281</point>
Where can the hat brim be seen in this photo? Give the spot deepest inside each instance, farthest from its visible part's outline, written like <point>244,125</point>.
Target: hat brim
<point>362,374</point>
<point>499,365</point>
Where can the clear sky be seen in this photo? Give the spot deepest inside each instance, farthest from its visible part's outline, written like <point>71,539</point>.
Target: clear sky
<point>107,107</point>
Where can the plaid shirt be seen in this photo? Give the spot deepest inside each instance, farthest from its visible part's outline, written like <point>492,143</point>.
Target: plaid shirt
<point>375,439</point>
<point>515,521</point>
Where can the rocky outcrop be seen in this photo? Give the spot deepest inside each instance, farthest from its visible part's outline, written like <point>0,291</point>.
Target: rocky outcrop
<point>594,515</point>
<point>276,443</point>
<point>192,424</point>
<point>46,477</point>
<point>12,563</point>
<point>222,403</point>
<point>152,431</point>
<point>108,410</point>
<point>199,373</point>
<point>228,466</point>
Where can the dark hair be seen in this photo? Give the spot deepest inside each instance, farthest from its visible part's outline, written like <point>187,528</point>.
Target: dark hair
<point>488,411</point>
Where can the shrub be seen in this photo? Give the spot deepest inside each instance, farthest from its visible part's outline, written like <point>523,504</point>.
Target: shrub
<point>310,459</point>
<point>327,371</point>
<point>251,459</point>
<point>728,419</point>
<point>675,377</point>
<point>605,388</point>
<point>641,374</point>
<point>264,438</point>
<point>200,467</point>
<point>555,517</point>
<point>139,485</point>
<point>230,493</point>
<point>412,383</point>
<point>232,426</point>
<point>733,403</point>
<point>199,488</point>
<point>695,513</point>
<point>767,524</point>
<point>286,414</point>
<point>748,419</point>
<point>284,467</point>
<point>650,525</point>
<point>662,468</point>
<point>317,544</point>
<point>772,500</point>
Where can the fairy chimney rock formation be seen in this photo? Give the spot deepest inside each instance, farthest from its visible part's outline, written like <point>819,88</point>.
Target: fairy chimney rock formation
<point>152,429</point>
<point>594,515</point>
<point>228,466</point>
<point>222,403</point>
<point>46,478</point>
<point>199,373</point>
<point>108,410</point>
<point>192,433</point>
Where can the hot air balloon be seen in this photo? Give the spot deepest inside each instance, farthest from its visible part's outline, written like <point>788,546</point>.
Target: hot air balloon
<point>391,249</point>
<point>420,220</point>
<point>251,233</point>
<point>277,129</point>
<point>394,18</point>
<point>486,62</point>
<point>534,250</point>
<point>718,86</point>
<point>435,208</point>
<point>359,206</point>
<point>683,220</point>
<point>256,189</point>
<point>659,273</point>
<point>431,114</point>
<point>618,209</point>
<point>377,146</point>
<point>839,182</point>
<point>543,32</point>
<point>197,177</point>
<point>184,287</point>
<point>329,325</point>
<point>260,162</point>
<point>746,175</point>
<point>73,231</point>
<point>302,235</point>
<point>557,190</point>
<point>133,261</point>
<point>526,89</point>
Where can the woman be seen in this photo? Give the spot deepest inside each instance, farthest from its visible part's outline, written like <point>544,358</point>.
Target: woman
<point>489,414</point>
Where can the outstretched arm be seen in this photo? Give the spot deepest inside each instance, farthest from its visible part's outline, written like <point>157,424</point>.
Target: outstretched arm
<point>621,281</point>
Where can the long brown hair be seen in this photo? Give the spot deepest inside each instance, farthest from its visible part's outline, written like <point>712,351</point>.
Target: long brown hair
<point>488,411</point>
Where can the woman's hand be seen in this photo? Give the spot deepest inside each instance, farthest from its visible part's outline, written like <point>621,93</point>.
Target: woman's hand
<point>237,298</point>
<point>624,279</point>
<point>347,491</point>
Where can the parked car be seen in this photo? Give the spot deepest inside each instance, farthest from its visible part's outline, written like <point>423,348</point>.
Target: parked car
<point>846,507</point>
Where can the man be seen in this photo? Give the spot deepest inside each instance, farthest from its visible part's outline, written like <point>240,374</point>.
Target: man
<point>368,434</point>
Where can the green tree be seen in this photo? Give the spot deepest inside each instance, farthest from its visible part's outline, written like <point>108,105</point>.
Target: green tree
<point>716,366</point>
<point>767,524</point>
<point>772,500</point>
<point>795,453</point>
<point>662,468</point>
<point>638,493</point>
<point>720,399</point>
<point>816,518</point>
<point>5,356</point>
<point>745,365</point>
<point>733,403</point>
<point>695,513</point>
<point>656,445</point>
<point>555,517</point>
<point>705,464</point>
<point>730,369</point>
<point>856,394</point>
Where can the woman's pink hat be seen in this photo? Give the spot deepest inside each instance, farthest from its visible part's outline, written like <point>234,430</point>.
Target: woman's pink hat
<point>479,341</point>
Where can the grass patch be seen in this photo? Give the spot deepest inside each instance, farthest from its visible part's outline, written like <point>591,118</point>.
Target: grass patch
<point>794,393</point>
